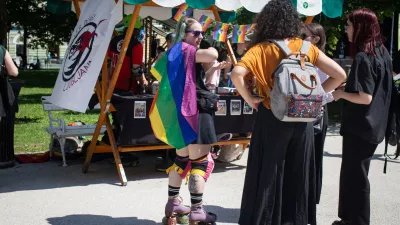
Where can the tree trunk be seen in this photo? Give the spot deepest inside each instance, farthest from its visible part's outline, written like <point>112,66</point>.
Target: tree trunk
<point>3,23</point>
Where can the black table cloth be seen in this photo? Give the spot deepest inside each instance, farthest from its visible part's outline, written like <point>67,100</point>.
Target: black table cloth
<point>139,131</point>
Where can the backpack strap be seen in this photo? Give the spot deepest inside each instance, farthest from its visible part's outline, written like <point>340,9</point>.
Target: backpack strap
<point>282,45</point>
<point>305,47</point>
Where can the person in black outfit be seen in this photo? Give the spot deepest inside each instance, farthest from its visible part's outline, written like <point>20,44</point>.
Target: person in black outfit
<point>396,63</point>
<point>367,97</point>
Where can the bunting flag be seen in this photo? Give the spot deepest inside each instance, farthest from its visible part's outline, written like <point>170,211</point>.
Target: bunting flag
<point>220,31</point>
<point>173,113</point>
<point>239,32</point>
<point>250,27</point>
<point>205,22</point>
<point>184,10</point>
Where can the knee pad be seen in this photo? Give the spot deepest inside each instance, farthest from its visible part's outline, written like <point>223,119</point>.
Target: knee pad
<point>182,166</point>
<point>203,166</point>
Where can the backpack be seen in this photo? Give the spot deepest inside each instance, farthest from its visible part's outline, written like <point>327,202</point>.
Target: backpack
<point>297,94</point>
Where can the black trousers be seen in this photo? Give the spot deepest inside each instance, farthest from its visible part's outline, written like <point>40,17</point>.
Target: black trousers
<point>276,187</point>
<point>354,191</point>
<point>319,154</point>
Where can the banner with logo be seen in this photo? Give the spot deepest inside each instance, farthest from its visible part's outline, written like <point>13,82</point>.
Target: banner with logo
<point>85,54</point>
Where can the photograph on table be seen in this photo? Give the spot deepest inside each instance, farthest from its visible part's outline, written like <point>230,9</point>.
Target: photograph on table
<point>236,107</point>
<point>247,109</point>
<point>221,108</point>
<point>140,110</point>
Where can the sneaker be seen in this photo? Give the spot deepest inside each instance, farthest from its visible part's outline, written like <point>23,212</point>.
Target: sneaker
<point>224,137</point>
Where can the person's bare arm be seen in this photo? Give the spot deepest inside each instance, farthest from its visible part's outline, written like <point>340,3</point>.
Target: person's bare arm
<point>361,98</point>
<point>227,69</point>
<point>206,55</point>
<point>12,70</point>
<point>335,72</point>
<point>237,76</point>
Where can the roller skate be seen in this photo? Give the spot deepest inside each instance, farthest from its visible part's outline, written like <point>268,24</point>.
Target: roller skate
<point>198,216</point>
<point>175,212</point>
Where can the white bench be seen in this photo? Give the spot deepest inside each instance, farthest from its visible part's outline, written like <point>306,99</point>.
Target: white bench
<point>60,130</point>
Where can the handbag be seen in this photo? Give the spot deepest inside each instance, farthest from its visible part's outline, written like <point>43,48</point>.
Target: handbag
<point>6,90</point>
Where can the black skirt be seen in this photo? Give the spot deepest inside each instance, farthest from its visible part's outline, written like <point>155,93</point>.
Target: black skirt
<point>206,132</point>
<point>277,182</point>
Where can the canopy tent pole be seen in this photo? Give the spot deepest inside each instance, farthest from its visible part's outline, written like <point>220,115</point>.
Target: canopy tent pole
<point>309,19</point>
<point>227,43</point>
<point>150,42</point>
<point>100,95</point>
<point>77,8</point>
<point>101,92</point>
<point>103,117</point>
<point>146,43</point>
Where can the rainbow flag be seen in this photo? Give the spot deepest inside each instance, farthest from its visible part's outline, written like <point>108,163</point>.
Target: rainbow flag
<point>250,27</point>
<point>220,31</point>
<point>239,31</point>
<point>173,113</point>
<point>205,22</point>
<point>184,10</point>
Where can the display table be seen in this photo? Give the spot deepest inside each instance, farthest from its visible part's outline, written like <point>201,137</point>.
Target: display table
<point>137,135</point>
<point>138,130</point>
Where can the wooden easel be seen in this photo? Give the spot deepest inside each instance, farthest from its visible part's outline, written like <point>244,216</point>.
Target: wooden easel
<point>105,90</point>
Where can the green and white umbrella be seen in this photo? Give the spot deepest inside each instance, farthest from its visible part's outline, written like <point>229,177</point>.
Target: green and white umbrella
<point>161,9</point>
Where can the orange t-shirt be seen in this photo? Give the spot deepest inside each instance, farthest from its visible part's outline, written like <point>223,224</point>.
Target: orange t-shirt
<point>262,60</point>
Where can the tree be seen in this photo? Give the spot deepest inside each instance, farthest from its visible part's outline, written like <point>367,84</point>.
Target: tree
<point>3,22</point>
<point>45,30</point>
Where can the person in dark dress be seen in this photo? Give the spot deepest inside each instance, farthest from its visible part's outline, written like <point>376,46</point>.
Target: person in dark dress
<point>315,33</point>
<point>276,187</point>
<point>367,97</point>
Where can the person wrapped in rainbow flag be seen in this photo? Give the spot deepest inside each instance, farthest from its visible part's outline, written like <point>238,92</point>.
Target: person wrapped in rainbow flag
<point>182,116</point>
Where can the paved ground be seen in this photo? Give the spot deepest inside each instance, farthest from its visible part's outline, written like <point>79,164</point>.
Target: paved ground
<point>49,194</point>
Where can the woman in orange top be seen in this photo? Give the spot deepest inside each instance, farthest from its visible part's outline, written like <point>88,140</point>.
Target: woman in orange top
<point>277,177</point>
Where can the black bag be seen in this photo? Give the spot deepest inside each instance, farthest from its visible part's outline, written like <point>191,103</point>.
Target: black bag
<point>207,101</point>
<point>6,91</point>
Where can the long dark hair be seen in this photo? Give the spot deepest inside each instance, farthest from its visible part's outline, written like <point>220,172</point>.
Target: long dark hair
<point>367,33</point>
<point>317,30</point>
<point>277,20</point>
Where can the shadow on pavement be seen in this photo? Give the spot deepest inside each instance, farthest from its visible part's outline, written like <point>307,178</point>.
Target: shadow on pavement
<point>52,175</point>
<point>224,215</point>
<point>87,219</point>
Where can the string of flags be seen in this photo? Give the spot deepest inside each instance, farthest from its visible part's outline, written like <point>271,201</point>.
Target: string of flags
<point>220,31</point>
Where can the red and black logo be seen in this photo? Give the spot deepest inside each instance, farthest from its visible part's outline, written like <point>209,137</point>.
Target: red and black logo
<point>79,52</point>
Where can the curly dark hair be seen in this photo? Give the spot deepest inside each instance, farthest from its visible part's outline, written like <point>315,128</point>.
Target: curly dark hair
<point>277,20</point>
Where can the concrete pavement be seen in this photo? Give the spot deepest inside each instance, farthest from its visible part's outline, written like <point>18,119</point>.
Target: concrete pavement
<point>49,194</point>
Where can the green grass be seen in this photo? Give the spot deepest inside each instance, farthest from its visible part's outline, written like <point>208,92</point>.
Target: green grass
<point>31,120</point>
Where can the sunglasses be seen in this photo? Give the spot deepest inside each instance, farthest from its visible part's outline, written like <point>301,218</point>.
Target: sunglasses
<point>196,33</point>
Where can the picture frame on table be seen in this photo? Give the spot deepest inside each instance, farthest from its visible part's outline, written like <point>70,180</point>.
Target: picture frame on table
<point>247,109</point>
<point>140,110</point>
<point>236,107</point>
<point>221,108</point>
